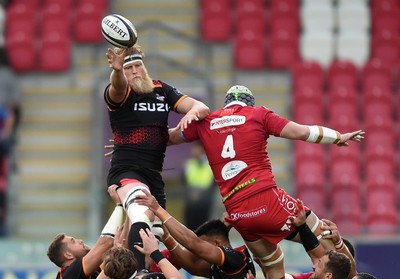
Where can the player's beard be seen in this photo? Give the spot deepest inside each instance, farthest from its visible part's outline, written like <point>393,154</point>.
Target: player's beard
<point>142,85</point>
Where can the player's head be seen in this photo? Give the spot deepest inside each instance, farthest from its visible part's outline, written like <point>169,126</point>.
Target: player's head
<point>239,93</point>
<point>213,229</point>
<point>119,263</point>
<point>364,275</point>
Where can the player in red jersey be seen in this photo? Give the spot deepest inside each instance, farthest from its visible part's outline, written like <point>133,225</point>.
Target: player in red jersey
<point>235,141</point>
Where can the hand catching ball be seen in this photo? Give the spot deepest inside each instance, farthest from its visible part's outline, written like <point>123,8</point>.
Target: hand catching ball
<point>119,31</point>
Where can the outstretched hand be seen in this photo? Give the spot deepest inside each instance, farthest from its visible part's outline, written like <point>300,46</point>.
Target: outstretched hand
<point>150,242</point>
<point>354,136</point>
<point>330,230</point>
<point>148,200</point>
<point>186,120</point>
<point>116,61</point>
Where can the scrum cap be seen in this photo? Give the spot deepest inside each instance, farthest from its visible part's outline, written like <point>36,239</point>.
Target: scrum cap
<point>239,93</point>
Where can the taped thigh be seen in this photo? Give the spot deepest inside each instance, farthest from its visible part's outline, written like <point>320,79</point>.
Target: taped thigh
<point>136,212</point>
<point>274,258</point>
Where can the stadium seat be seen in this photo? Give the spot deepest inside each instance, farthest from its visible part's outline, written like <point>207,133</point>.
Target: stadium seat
<point>101,4</point>
<point>385,46</point>
<point>250,14</point>
<point>385,167</point>
<point>344,175</point>
<point>284,17</point>
<point>310,174</point>
<point>381,213</point>
<point>346,211</point>
<point>380,182</point>
<point>66,5</point>
<point>318,45</point>
<point>380,144</point>
<point>32,5</point>
<point>308,113</point>
<point>283,49</point>
<point>55,53</point>
<point>338,154</point>
<point>354,15</point>
<point>343,73</point>
<point>21,17</point>
<point>249,51</point>
<point>376,73</point>
<point>309,95</point>
<point>22,51</point>
<point>354,46</point>
<point>55,17</point>
<point>86,23</point>
<point>379,107</point>
<point>338,107</point>
<point>215,20</point>
<point>308,73</point>
<point>304,151</point>
<point>317,16</point>
<point>314,199</point>
<point>343,93</point>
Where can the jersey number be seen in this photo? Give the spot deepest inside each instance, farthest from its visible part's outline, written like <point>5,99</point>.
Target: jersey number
<point>228,151</point>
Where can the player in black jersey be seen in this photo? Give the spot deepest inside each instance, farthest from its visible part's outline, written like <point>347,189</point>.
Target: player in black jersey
<point>138,111</point>
<point>74,258</point>
<point>207,252</point>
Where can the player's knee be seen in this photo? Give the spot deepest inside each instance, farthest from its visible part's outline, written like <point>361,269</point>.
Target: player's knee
<point>272,259</point>
<point>136,212</point>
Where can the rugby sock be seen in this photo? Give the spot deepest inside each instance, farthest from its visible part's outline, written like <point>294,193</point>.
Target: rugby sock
<point>135,239</point>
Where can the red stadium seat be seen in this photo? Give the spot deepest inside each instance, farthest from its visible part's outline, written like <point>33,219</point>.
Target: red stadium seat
<point>380,182</point>
<point>250,14</point>
<point>32,5</point>
<point>249,51</point>
<point>346,211</point>
<point>215,20</point>
<point>383,108</point>
<point>21,17</point>
<point>22,51</point>
<point>376,73</point>
<point>308,73</point>
<point>66,5</point>
<point>342,108</point>
<point>309,95</point>
<point>55,17</point>
<point>381,213</point>
<point>377,94</point>
<point>304,151</point>
<point>351,153</point>
<point>314,199</point>
<point>284,49</point>
<point>308,113</point>
<point>284,16</point>
<point>55,54</point>
<point>343,73</point>
<point>101,4</point>
<point>384,167</point>
<point>86,24</point>
<point>310,174</point>
<point>386,46</point>
<point>344,175</point>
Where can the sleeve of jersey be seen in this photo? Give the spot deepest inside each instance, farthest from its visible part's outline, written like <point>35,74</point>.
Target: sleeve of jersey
<point>174,96</point>
<point>273,123</point>
<point>191,132</point>
<point>232,260</point>
<point>112,105</point>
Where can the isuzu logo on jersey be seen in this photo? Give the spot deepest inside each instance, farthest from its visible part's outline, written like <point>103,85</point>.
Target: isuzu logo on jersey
<point>151,107</point>
<point>225,121</point>
<point>232,168</point>
<point>250,214</point>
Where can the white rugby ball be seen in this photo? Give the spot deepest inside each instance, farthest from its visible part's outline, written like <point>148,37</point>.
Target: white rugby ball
<point>118,31</point>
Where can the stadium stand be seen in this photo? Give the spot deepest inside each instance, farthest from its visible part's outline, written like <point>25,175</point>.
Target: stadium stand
<point>215,20</point>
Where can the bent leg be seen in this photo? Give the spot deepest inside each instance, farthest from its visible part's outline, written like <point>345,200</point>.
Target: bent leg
<point>270,258</point>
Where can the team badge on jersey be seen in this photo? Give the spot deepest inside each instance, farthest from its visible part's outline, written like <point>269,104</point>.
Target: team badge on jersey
<point>232,169</point>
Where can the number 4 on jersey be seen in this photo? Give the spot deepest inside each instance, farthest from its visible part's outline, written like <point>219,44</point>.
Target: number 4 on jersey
<point>228,151</point>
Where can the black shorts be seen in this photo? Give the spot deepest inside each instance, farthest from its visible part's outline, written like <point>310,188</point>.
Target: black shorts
<point>151,178</point>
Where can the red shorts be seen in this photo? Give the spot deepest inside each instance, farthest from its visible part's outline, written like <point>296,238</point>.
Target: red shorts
<point>264,215</point>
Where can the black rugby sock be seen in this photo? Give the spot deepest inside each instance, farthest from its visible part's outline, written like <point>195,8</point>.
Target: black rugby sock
<point>135,239</point>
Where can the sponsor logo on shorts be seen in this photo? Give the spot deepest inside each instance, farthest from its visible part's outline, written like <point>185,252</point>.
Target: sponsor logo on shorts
<point>249,214</point>
<point>226,121</point>
<point>232,168</point>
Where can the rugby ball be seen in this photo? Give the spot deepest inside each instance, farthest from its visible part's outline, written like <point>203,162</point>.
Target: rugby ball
<point>118,31</point>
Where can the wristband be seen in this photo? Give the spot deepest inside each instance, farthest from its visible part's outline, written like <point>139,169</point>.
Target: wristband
<point>308,239</point>
<point>156,256</point>
<point>339,245</point>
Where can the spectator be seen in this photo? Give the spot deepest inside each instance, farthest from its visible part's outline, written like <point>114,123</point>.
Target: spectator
<point>199,185</point>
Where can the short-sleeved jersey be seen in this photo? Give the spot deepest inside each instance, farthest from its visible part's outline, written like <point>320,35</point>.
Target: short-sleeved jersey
<point>140,126</point>
<point>76,271</point>
<point>237,262</point>
<point>235,141</point>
